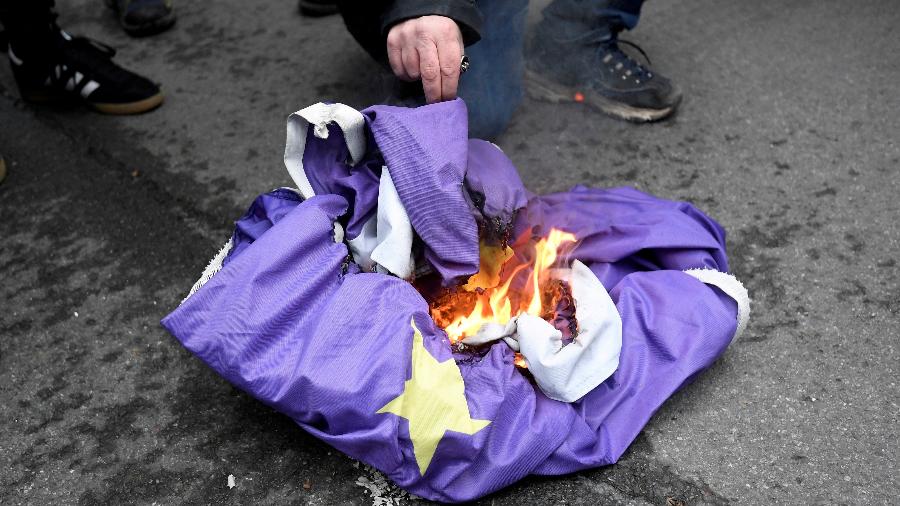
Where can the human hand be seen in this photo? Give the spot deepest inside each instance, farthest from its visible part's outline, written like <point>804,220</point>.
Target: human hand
<point>428,48</point>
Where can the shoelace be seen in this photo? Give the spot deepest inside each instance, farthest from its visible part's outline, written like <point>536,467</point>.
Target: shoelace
<point>608,42</point>
<point>619,60</point>
<point>640,50</point>
<point>106,51</point>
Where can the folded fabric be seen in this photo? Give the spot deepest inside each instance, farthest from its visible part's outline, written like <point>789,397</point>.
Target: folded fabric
<point>497,193</point>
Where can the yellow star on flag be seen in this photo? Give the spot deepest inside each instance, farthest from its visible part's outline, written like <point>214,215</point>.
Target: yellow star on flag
<point>433,401</point>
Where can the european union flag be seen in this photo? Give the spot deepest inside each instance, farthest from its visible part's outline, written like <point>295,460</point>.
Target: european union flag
<point>310,306</point>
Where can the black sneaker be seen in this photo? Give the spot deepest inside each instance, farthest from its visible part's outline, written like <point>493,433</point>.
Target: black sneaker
<point>143,17</point>
<point>317,8</point>
<point>81,68</point>
<point>608,79</point>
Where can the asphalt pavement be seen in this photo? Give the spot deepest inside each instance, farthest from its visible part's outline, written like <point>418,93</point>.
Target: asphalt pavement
<point>788,136</point>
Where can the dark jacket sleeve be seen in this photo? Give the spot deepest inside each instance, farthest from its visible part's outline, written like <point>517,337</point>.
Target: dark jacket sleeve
<point>370,21</point>
<point>464,12</point>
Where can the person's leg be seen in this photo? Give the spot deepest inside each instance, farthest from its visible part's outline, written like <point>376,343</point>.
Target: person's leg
<point>50,65</point>
<point>492,87</point>
<point>27,25</point>
<point>576,49</point>
<point>587,13</point>
<point>140,18</point>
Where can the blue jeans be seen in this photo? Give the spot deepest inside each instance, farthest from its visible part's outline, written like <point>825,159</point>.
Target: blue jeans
<point>492,88</point>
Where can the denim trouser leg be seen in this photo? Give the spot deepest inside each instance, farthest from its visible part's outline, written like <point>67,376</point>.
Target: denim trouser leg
<point>565,41</point>
<point>27,26</point>
<point>492,88</point>
<point>618,14</point>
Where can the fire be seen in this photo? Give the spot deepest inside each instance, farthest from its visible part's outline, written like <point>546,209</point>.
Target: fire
<point>463,313</point>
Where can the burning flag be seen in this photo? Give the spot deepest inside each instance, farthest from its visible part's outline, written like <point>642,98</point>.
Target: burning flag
<point>383,302</point>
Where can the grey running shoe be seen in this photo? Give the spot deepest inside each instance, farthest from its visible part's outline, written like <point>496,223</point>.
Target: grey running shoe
<point>607,78</point>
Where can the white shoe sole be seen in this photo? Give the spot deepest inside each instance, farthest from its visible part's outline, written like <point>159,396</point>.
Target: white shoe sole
<point>541,88</point>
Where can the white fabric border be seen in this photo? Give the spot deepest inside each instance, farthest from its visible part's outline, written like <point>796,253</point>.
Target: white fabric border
<point>732,287</point>
<point>348,119</point>
<point>364,244</point>
<point>566,373</point>
<point>214,266</point>
<point>394,232</point>
<point>385,242</point>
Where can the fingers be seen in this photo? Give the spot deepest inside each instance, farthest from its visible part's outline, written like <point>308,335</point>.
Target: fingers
<point>430,70</point>
<point>450,54</point>
<point>396,61</point>
<point>411,63</point>
<point>395,54</point>
<point>427,48</point>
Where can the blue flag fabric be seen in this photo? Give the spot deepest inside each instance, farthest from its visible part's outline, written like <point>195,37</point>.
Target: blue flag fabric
<point>356,359</point>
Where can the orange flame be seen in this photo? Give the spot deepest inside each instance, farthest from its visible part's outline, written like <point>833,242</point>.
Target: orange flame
<point>494,303</point>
